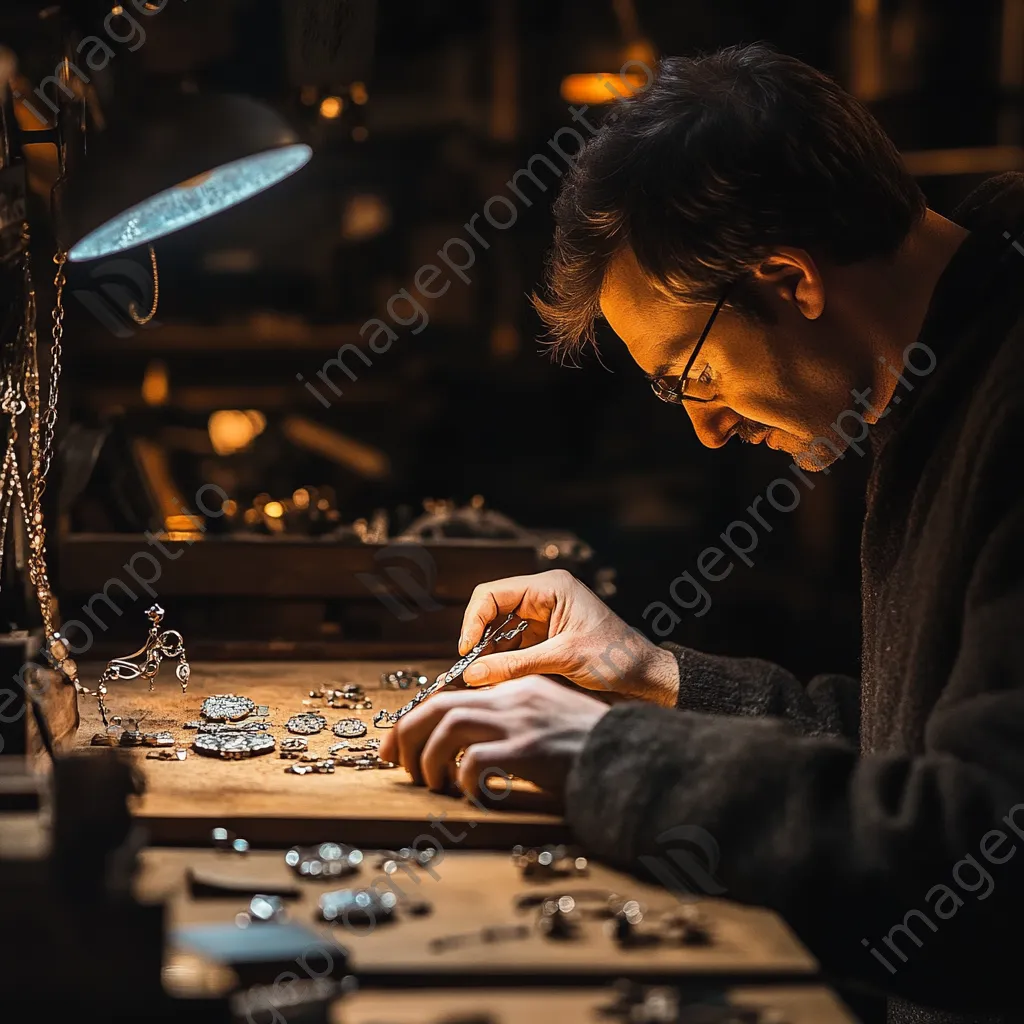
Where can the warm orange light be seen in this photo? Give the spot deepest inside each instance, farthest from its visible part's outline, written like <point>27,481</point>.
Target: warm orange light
<point>360,134</point>
<point>274,509</point>
<point>117,10</point>
<point>230,507</point>
<point>331,107</point>
<point>358,93</point>
<point>602,88</point>
<point>308,95</point>
<point>301,498</point>
<point>156,385</point>
<point>231,430</point>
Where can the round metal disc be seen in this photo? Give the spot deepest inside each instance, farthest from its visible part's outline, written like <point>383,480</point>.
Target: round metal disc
<point>226,707</point>
<point>306,724</point>
<point>349,728</point>
<point>233,745</point>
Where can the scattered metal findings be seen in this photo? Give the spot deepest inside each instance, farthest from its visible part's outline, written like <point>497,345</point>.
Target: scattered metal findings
<point>389,861</point>
<point>346,746</point>
<point>226,707</point>
<point>349,728</point>
<point>383,719</point>
<point>312,766</point>
<point>294,746</point>
<point>358,906</point>
<point>403,679</point>
<point>307,723</point>
<point>233,746</point>
<point>550,862</point>
<point>499,933</point>
<point>178,754</point>
<point>215,727</point>
<point>589,902</point>
<point>224,839</point>
<point>365,762</point>
<point>262,909</point>
<point>328,860</point>
<point>557,918</point>
<point>158,739</point>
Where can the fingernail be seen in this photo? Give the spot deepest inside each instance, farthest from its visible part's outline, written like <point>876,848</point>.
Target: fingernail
<point>475,674</point>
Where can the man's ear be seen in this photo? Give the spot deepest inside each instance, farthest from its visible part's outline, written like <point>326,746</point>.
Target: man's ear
<point>791,276</point>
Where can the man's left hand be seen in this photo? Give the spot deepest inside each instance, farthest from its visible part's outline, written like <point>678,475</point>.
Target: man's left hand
<point>532,728</point>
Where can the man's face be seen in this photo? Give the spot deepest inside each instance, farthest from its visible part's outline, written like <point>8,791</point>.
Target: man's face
<point>781,383</point>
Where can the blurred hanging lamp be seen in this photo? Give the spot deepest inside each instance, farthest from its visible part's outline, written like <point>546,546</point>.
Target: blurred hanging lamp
<point>192,157</point>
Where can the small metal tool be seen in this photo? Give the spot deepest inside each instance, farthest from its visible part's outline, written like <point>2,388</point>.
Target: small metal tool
<point>383,719</point>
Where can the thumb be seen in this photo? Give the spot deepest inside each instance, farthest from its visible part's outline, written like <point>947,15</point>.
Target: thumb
<point>549,656</point>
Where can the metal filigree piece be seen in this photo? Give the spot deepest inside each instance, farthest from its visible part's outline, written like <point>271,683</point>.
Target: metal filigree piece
<point>233,746</point>
<point>294,746</point>
<point>145,662</point>
<point>348,747</point>
<point>306,724</point>
<point>226,707</point>
<point>383,719</point>
<point>349,728</point>
<point>200,726</point>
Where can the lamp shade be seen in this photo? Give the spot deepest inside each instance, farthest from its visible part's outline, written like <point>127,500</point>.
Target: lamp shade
<point>166,168</point>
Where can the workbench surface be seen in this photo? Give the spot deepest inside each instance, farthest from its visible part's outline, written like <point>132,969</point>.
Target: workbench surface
<point>256,797</point>
<point>470,890</point>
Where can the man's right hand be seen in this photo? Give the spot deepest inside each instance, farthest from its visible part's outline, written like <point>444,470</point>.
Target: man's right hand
<point>571,633</point>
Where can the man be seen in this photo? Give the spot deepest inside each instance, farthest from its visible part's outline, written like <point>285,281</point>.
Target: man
<point>751,235</point>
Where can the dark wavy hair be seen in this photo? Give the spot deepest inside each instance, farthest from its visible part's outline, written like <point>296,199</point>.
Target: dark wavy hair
<point>719,160</point>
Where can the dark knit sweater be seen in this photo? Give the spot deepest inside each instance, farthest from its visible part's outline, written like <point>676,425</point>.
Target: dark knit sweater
<point>842,804</point>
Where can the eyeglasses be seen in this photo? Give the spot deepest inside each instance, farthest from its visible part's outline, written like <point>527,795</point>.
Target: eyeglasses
<point>689,387</point>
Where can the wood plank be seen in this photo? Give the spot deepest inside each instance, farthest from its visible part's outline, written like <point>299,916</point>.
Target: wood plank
<point>810,1005</point>
<point>469,890</point>
<point>257,799</point>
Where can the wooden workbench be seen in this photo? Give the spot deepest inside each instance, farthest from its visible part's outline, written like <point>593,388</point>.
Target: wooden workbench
<point>257,799</point>
<point>470,890</point>
<point>810,1005</point>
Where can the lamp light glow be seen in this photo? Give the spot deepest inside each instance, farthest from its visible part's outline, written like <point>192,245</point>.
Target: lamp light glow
<point>191,201</point>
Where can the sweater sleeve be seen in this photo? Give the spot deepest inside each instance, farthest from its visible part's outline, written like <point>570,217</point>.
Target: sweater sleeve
<point>895,869</point>
<point>828,706</point>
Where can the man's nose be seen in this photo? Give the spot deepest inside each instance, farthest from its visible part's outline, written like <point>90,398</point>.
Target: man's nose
<point>713,423</point>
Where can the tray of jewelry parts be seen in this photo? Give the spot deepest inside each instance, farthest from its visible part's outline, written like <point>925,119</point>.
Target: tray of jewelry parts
<point>626,1003</point>
<point>429,913</point>
<point>286,752</point>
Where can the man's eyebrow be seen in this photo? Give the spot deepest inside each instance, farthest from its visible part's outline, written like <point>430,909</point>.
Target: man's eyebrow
<point>659,371</point>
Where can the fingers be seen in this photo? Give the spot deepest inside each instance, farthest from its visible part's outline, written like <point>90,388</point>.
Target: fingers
<point>483,774</point>
<point>534,596</point>
<point>550,656</point>
<point>488,602</point>
<point>404,743</point>
<point>457,730</point>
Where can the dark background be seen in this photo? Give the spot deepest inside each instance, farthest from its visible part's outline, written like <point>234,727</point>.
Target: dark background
<point>458,96</point>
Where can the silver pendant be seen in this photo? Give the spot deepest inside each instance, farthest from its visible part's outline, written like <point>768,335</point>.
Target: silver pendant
<point>349,728</point>
<point>306,724</point>
<point>233,746</point>
<point>145,662</point>
<point>383,719</point>
<point>226,707</point>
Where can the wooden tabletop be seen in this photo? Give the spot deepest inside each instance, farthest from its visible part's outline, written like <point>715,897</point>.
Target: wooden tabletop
<point>471,890</point>
<point>811,1005</point>
<point>257,799</point>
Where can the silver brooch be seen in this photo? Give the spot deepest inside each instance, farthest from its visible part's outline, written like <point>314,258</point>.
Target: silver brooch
<point>349,728</point>
<point>306,724</point>
<point>226,707</point>
<point>233,746</point>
